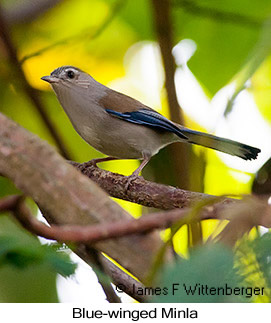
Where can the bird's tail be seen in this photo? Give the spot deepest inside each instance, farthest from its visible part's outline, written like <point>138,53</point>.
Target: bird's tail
<point>222,144</point>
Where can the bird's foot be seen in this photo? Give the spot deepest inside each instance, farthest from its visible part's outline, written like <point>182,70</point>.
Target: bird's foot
<point>130,180</point>
<point>94,162</point>
<point>90,163</point>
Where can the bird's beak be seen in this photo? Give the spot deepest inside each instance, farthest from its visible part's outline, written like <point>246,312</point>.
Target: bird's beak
<point>50,79</point>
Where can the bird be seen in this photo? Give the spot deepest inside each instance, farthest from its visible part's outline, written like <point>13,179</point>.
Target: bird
<point>121,127</point>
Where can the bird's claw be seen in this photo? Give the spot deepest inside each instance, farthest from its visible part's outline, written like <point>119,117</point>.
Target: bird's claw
<point>130,179</point>
<point>90,163</point>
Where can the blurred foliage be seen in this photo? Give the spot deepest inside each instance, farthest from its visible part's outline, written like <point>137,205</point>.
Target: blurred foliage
<point>217,266</point>
<point>261,84</point>
<point>114,40</point>
<point>14,253</point>
<point>253,260</point>
<point>27,268</point>
<point>210,265</point>
<point>225,39</point>
<point>258,55</point>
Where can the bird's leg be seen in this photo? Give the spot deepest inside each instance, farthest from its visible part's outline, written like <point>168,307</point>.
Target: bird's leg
<point>146,159</point>
<point>94,162</point>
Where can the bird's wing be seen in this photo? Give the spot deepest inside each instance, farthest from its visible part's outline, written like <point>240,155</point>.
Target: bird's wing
<point>138,113</point>
<point>150,118</point>
<point>126,108</point>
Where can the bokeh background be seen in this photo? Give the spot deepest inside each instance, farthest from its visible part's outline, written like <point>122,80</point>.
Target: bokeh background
<point>222,74</point>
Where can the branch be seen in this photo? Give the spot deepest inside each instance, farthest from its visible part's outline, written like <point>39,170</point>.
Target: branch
<point>67,197</point>
<point>105,231</point>
<point>102,274</point>
<point>143,192</point>
<point>96,232</point>
<point>162,220</point>
<point>163,25</point>
<point>31,93</point>
<point>120,278</point>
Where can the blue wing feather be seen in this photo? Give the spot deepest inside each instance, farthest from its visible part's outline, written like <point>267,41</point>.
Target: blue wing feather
<point>149,118</point>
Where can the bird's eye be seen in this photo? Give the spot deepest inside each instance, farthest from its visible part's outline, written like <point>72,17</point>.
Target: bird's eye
<point>70,74</point>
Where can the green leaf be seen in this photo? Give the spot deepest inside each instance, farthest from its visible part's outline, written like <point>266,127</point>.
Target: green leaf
<point>262,249</point>
<point>253,259</point>
<point>24,277</point>
<point>28,269</point>
<point>60,262</point>
<point>13,252</point>
<point>223,45</point>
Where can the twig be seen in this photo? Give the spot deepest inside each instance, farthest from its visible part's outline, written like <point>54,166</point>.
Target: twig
<point>101,271</point>
<point>121,279</point>
<point>163,25</point>
<point>232,99</point>
<point>215,14</point>
<point>93,233</point>
<point>101,232</point>
<point>30,92</point>
<point>83,35</point>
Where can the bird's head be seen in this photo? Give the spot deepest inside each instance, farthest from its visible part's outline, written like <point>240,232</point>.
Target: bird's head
<point>68,76</point>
